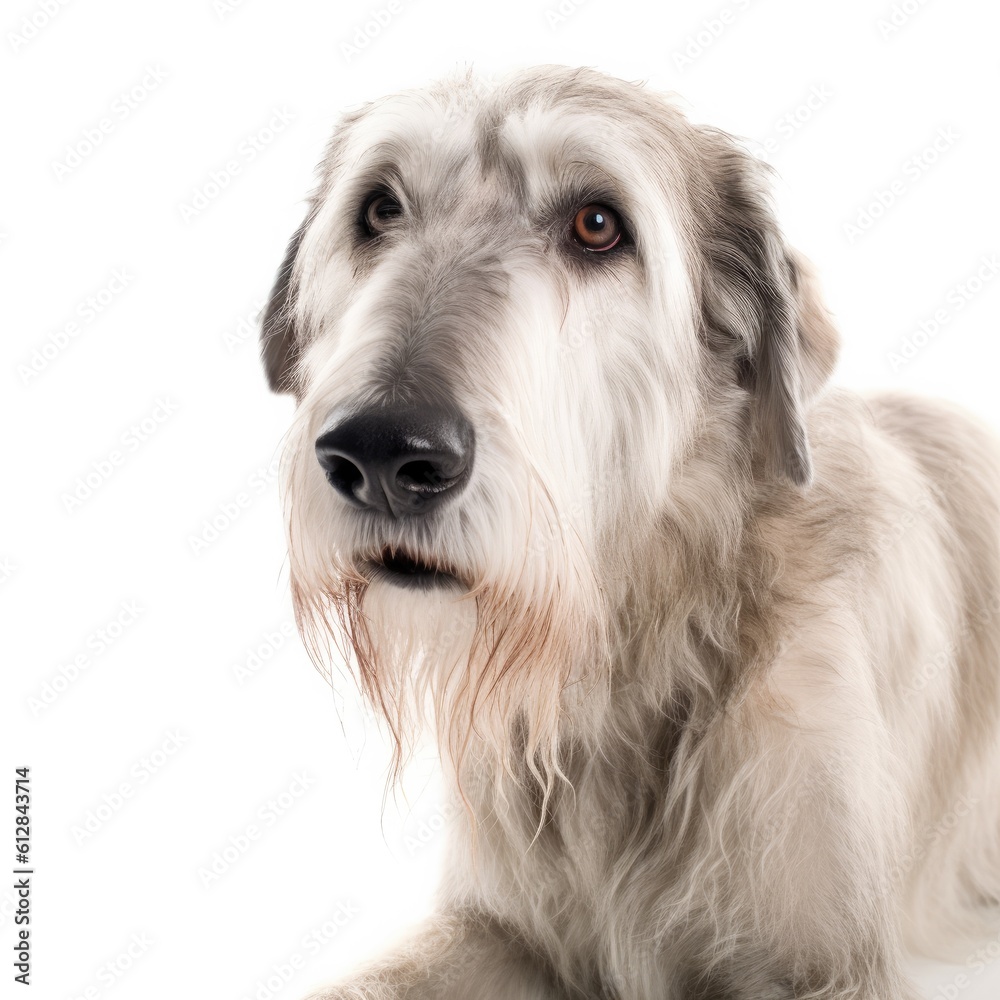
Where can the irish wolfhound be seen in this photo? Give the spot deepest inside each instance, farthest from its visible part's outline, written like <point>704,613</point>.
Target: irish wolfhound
<point>710,650</point>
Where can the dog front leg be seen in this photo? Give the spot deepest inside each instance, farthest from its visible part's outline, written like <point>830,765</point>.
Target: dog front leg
<point>805,818</point>
<point>455,957</point>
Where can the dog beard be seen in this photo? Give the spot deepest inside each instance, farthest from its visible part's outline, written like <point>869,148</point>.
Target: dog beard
<point>470,658</point>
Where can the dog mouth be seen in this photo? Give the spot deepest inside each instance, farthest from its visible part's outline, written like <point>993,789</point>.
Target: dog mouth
<point>408,569</point>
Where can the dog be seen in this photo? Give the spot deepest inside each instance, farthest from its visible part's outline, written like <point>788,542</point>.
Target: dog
<point>710,649</point>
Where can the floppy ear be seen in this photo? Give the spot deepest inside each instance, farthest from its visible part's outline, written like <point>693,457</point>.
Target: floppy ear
<point>761,298</point>
<point>279,344</point>
<point>819,342</point>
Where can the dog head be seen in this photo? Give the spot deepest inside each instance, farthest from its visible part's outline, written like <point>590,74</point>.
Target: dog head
<point>521,320</point>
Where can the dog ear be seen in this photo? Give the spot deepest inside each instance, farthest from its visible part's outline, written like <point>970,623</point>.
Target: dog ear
<point>819,342</point>
<point>762,307</point>
<point>279,344</point>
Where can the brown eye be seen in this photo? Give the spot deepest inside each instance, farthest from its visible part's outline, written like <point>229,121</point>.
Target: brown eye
<point>597,227</point>
<point>381,210</point>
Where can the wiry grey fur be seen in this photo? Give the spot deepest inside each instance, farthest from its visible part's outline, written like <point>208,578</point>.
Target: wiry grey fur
<point>719,688</point>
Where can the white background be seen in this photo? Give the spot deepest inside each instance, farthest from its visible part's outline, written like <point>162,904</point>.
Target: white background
<point>178,328</point>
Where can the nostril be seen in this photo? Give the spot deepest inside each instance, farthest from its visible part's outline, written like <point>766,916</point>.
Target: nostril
<point>397,460</point>
<point>342,474</point>
<point>424,477</point>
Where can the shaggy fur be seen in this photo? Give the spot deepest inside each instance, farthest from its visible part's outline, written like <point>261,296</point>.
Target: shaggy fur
<point>716,671</point>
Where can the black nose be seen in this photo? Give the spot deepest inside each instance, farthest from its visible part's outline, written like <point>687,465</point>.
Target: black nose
<point>398,459</point>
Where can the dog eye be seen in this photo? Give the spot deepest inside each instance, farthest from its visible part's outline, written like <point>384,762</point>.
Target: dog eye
<point>597,227</point>
<point>381,210</point>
